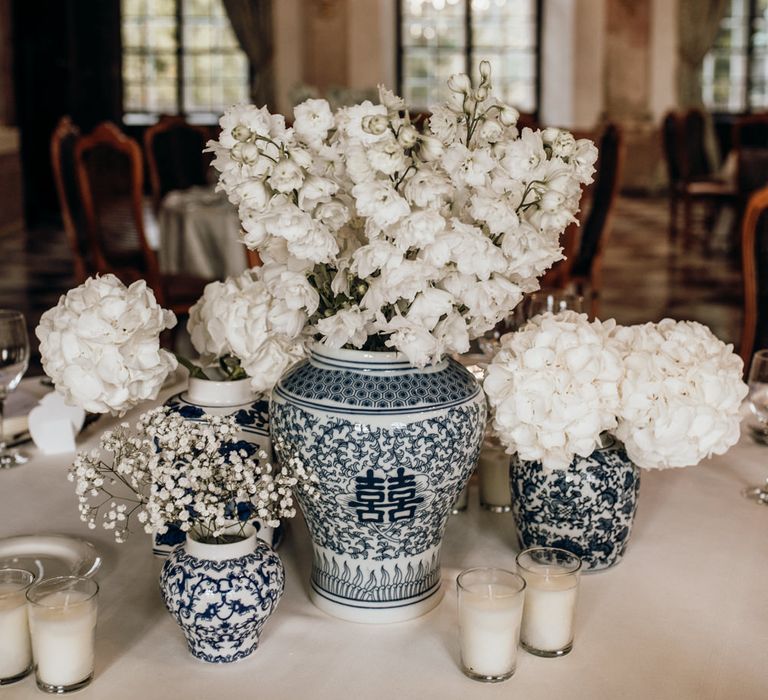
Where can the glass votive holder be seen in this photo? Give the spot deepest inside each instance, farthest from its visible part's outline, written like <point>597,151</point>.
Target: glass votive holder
<point>552,578</point>
<point>490,611</point>
<point>493,475</point>
<point>62,621</point>
<point>15,647</point>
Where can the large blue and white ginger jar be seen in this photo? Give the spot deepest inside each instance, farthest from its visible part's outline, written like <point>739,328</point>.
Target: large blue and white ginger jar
<point>222,594</point>
<point>223,398</point>
<point>587,509</point>
<point>392,446</point>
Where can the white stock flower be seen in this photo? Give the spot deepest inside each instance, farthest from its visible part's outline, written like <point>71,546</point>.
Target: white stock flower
<point>429,306</point>
<point>413,340</point>
<point>101,345</point>
<point>345,327</point>
<point>553,388</point>
<point>388,157</point>
<point>380,201</point>
<point>377,255</point>
<point>680,395</point>
<point>468,167</point>
<point>286,176</point>
<point>383,213</point>
<point>417,229</point>
<point>428,189</point>
<point>312,120</point>
<point>293,287</point>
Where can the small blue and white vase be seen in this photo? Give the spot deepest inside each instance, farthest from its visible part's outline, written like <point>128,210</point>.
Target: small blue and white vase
<point>223,398</point>
<point>392,446</point>
<point>587,509</point>
<point>222,594</point>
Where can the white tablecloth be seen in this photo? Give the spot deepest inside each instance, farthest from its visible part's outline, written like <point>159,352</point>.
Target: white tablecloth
<point>684,616</point>
<point>200,234</point>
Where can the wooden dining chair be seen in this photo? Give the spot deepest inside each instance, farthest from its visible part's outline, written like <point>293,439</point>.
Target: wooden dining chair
<point>585,275</point>
<point>699,183</point>
<point>175,158</point>
<point>754,256</point>
<point>670,137</point>
<point>110,174</point>
<point>750,143</point>
<point>63,141</point>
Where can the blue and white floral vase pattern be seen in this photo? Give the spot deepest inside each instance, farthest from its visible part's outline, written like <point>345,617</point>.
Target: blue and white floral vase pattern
<point>392,446</point>
<point>587,509</point>
<point>251,410</point>
<point>222,594</point>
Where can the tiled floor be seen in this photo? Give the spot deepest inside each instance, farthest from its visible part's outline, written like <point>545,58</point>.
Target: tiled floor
<point>645,279</point>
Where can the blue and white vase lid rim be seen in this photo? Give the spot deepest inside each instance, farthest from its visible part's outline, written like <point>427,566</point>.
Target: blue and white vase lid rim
<point>348,358</point>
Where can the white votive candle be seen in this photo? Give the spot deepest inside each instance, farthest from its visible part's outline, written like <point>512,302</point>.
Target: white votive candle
<point>62,621</point>
<point>15,648</point>
<point>493,474</point>
<point>490,611</point>
<point>552,578</point>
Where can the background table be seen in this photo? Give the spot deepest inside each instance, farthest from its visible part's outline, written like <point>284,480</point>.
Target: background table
<point>199,233</point>
<point>684,616</point>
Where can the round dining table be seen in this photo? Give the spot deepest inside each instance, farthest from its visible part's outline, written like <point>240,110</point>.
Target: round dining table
<point>199,234</point>
<point>684,616</point>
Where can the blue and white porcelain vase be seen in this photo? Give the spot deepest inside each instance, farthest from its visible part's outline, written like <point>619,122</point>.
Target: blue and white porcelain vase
<point>392,446</point>
<point>587,509</point>
<point>222,398</point>
<point>222,594</point>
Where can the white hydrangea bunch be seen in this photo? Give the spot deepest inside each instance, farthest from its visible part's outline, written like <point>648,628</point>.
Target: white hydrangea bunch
<point>413,240</point>
<point>670,391</point>
<point>554,388</point>
<point>193,474</point>
<point>101,345</point>
<point>258,318</point>
<point>680,394</point>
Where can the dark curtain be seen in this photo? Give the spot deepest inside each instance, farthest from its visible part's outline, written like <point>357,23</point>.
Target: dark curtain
<point>252,23</point>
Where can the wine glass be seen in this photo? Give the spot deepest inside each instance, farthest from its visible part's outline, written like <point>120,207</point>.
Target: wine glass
<point>14,360</point>
<point>758,403</point>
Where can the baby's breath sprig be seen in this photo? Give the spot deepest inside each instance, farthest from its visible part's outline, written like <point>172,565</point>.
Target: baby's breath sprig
<point>197,475</point>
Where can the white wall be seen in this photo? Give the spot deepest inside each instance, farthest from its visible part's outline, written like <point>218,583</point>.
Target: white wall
<point>663,74</point>
<point>572,63</point>
<point>372,43</point>
<point>287,21</point>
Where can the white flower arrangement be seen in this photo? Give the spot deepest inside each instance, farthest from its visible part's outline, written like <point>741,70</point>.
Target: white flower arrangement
<point>669,391</point>
<point>194,474</point>
<point>554,388</point>
<point>381,236</point>
<point>101,345</point>
<point>681,394</point>
<point>239,320</point>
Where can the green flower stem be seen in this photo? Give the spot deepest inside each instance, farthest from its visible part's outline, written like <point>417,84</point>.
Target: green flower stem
<point>194,371</point>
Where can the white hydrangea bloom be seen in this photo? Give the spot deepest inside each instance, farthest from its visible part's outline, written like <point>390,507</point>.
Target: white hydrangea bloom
<point>258,317</point>
<point>554,387</point>
<point>680,394</point>
<point>101,345</point>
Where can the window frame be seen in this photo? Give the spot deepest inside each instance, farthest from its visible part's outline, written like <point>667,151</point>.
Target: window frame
<point>748,53</point>
<point>469,46</point>
<point>145,117</point>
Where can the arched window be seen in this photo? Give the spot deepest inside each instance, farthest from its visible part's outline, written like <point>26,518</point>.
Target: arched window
<point>437,38</point>
<point>180,57</point>
<point>734,74</point>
